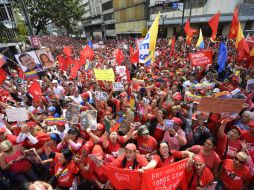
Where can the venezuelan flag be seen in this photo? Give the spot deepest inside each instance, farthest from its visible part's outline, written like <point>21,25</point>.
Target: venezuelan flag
<point>200,43</point>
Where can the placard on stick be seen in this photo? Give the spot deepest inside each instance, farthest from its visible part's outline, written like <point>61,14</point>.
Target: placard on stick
<point>250,85</point>
<point>88,119</point>
<point>72,113</point>
<point>217,105</point>
<point>118,86</point>
<point>101,95</point>
<point>17,114</point>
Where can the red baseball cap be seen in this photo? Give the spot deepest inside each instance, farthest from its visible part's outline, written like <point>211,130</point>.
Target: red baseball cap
<point>199,159</point>
<point>177,120</point>
<point>100,127</point>
<point>131,146</point>
<point>97,152</point>
<point>2,130</point>
<point>30,124</point>
<point>178,97</point>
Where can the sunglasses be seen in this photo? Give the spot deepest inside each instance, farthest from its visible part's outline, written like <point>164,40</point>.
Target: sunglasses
<point>240,161</point>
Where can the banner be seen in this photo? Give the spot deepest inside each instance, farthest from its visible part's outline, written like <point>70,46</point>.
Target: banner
<point>88,119</point>
<point>45,57</point>
<point>104,74</point>
<point>118,86</point>
<point>201,58</point>
<point>167,177</point>
<point>16,114</point>
<point>122,178</point>
<point>217,105</point>
<point>72,113</point>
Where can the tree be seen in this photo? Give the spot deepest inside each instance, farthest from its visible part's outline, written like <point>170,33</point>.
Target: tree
<point>45,12</point>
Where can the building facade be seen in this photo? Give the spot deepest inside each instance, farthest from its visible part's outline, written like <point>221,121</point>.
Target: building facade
<point>108,19</point>
<point>200,11</point>
<point>130,17</point>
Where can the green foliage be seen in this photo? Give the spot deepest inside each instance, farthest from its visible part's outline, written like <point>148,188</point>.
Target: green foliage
<point>45,12</point>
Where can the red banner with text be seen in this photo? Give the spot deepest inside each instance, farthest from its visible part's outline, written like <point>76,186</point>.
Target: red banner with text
<point>201,58</point>
<point>167,177</point>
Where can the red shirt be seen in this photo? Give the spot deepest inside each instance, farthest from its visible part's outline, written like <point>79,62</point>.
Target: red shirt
<point>248,136</point>
<point>233,147</point>
<point>205,179</point>
<point>233,178</point>
<point>113,148</point>
<point>159,132</point>
<point>146,146</point>
<point>170,159</point>
<point>212,160</point>
<point>67,176</point>
<point>142,161</point>
<point>42,139</point>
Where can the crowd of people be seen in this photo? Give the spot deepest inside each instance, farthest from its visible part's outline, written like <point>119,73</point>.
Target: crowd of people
<point>219,147</point>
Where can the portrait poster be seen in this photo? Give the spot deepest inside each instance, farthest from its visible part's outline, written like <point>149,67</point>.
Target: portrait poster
<point>88,119</point>
<point>72,113</point>
<point>45,57</point>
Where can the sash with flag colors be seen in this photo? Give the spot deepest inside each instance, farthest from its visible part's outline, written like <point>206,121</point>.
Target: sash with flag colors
<point>147,47</point>
<point>213,23</point>
<point>200,43</point>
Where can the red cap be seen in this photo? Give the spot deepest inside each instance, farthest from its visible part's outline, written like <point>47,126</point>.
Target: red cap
<point>97,152</point>
<point>131,146</point>
<point>235,127</point>
<point>199,159</point>
<point>31,124</point>
<point>88,146</point>
<point>178,97</point>
<point>100,126</point>
<point>177,120</point>
<point>2,130</point>
<point>251,124</point>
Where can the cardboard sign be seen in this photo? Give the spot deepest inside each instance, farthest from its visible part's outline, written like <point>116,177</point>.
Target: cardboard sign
<point>250,85</point>
<point>120,70</point>
<point>201,58</point>
<point>72,113</point>
<point>167,177</point>
<point>118,86</point>
<point>101,95</point>
<point>104,74</point>
<point>88,119</point>
<point>17,114</point>
<point>217,105</point>
<point>168,124</point>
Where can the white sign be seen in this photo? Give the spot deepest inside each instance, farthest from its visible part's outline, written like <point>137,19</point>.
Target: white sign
<point>101,95</point>
<point>17,114</point>
<point>121,70</point>
<point>118,86</point>
<point>168,124</point>
<point>250,85</point>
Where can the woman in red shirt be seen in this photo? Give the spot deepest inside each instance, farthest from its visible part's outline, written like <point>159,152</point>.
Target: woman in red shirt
<point>234,174</point>
<point>212,159</point>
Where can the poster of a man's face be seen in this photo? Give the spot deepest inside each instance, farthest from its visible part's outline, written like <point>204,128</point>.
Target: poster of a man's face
<point>29,61</point>
<point>46,58</point>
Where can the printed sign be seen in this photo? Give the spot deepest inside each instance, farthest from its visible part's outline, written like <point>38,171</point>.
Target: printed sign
<point>17,114</point>
<point>168,124</point>
<point>250,85</point>
<point>88,119</point>
<point>101,95</point>
<point>217,105</point>
<point>104,74</point>
<point>118,86</point>
<point>72,113</point>
<point>201,58</point>
<point>120,70</point>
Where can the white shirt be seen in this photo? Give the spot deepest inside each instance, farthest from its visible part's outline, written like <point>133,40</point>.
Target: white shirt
<point>59,91</point>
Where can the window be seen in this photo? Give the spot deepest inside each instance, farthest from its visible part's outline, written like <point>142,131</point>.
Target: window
<point>109,16</point>
<point>106,6</point>
<point>110,27</point>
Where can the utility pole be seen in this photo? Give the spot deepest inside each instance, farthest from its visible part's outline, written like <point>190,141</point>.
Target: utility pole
<point>27,19</point>
<point>183,17</point>
<point>190,9</point>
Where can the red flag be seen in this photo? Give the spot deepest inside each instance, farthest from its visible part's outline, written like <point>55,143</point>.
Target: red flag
<point>74,71</point>
<point>62,62</point>
<point>87,52</point>
<point>2,76</point>
<point>131,50</point>
<point>172,46</point>
<point>67,50</point>
<point>241,44</point>
<point>189,32</point>
<point>21,74</point>
<point>35,90</point>
<point>213,23</point>
<point>134,58</point>
<point>119,56</point>
<point>127,74</point>
<point>234,25</point>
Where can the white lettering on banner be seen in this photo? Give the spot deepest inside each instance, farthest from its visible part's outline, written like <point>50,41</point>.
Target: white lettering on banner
<point>122,177</point>
<point>144,49</point>
<point>168,187</point>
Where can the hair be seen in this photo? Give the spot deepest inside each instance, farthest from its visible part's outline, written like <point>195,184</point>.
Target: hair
<point>248,113</point>
<point>213,140</point>
<point>43,54</point>
<point>134,165</point>
<point>23,55</point>
<point>6,145</point>
<point>73,131</point>
<point>158,150</point>
<point>67,154</point>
